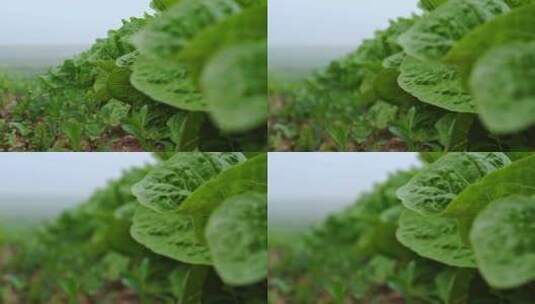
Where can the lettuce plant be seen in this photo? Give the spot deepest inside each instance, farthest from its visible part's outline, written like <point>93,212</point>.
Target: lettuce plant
<point>456,76</point>
<point>189,229</point>
<point>207,209</point>
<point>459,229</point>
<point>190,76</point>
<point>454,234</point>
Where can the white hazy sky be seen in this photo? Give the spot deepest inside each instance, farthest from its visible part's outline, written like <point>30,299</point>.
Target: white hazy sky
<point>63,21</point>
<point>331,22</point>
<point>76,174</point>
<point>313,185</point>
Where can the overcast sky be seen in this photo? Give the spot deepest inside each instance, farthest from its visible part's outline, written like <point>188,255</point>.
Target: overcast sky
<point>77,174</point>
<point>294,22</point>
<point>316,184</point>
<point>331,22</point>
<point>63,21</point>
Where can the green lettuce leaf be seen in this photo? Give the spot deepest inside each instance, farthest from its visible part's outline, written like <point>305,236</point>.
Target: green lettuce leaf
<point>517,3</point>
<point>237,236</point>
<point>246,27</point>
<point>386,87</point>
<point>162,5</point>
<point>436,238</point>
<point>436,84</point>
<point>381,114</point>
<point>119,87</point>
<point>433,188</point>
<point>436,33</point>
<point>167,82</point>
<point>503,238</point>
<point>517,25</point>
<point>235,86</point>
<point>514,156</point>
<point>169,234</point>
<point>430,5</point>
<point>502,85</point>
<point>244,177</point>
<point>114,112</point>
<point>165,36</point>
<point>168,184</point>
<point>127,60</point>
<point>168,228</point>
<point>517,178</point>
<point>394,61</point>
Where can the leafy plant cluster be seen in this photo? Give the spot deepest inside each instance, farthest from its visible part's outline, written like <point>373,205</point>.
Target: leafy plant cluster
<point>457,230</point>
<point>457,77</point>
<point>189,229</point>
<point>191,76</point>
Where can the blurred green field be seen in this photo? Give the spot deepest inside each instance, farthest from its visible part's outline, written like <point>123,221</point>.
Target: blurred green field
<point>28,60</point>
<point>289,65</point>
